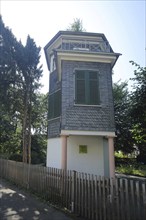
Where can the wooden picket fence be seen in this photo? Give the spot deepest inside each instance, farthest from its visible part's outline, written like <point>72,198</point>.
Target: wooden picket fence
<point>89,196</point>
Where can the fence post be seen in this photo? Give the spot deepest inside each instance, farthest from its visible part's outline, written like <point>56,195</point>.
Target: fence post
<point>73,190</point>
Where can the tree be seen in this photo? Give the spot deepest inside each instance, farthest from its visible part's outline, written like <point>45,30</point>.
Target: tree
<point>138,110</point>
<point>19,82</point>
<point>28,61</point>
<point>9,78</point>
<point>39,126</point>
<point>124,140</point>
<point>77,25</point>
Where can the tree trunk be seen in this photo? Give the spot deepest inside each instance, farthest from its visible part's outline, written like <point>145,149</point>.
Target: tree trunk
<point>29,127</point>
<point>24,133</point>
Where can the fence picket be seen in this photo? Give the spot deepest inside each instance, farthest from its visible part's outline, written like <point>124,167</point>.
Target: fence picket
<point>92,198</point>
<point>117,200</point>
<point>103,199</point>
<point>138,200</point>
<point>76,194</point>
<point>89,196</point>
<point>144,200</point>
<point>100,198</point>
<point>108,206</point>
<point>122,204</point>
<point>82,194</point>
<point>86,196</point>
<point>127,199</point>
<point>96,199</point>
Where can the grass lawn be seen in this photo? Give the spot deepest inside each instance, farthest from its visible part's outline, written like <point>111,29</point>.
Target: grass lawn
<point>132,170</point>
<point>130,166</point>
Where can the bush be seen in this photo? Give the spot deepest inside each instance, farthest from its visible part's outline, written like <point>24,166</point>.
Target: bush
<point>16,157</point>
<point>141,158</point>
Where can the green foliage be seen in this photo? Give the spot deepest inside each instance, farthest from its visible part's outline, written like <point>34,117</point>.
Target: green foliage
<point>77,25</point>
<point>138,109</point>
<point>39,147</point>
<point>130,114</point>
<point>8,92</point>
<point>129,166</point>
<point>40,114</point>
<point>124,139</point>
<point>16,157</point>
<point>131,170</point>
<point>21,106</point>
<point>120,154</point>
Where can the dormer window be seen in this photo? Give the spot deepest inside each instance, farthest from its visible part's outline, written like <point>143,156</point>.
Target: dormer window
<point>87,87</point>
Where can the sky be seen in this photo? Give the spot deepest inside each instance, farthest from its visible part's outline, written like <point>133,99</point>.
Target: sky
<point>123,23</point>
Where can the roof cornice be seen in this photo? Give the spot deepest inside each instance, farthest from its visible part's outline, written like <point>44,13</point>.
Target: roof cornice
<point>74,33</point>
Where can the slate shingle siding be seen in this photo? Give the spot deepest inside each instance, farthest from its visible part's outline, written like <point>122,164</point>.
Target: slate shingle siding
<point>54,128</point>
<point>88,118</point>
<point>99,118</point>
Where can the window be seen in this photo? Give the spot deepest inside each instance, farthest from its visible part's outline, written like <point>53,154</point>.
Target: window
<point>86,87</point>
<point>83,149</point>
<point>54,104</point>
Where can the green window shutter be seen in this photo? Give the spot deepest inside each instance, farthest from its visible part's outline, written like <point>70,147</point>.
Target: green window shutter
<point>54,105</point>
<point>51,106</point>
<point>86,87</point>
<point>80,87</point>
<point>93,88</point>
<point>57,104</point>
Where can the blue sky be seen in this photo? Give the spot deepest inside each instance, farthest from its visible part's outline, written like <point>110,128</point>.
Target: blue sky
<point>122,22</point>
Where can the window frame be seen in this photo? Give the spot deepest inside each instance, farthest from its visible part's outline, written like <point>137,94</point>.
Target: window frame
<point>87,87</point>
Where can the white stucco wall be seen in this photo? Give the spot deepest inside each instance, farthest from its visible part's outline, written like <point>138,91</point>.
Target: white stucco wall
<point>92,162</point>
<point>54,153</point>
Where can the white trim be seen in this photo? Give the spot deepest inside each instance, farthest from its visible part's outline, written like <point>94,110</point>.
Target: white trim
<point>90,56</point>
<point>88,133</point>
<point>51,119</point>
<point>54,91</point>
<point>85,105</point>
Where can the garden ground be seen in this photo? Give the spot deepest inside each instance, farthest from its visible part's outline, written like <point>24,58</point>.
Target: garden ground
<point>20,205</point>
